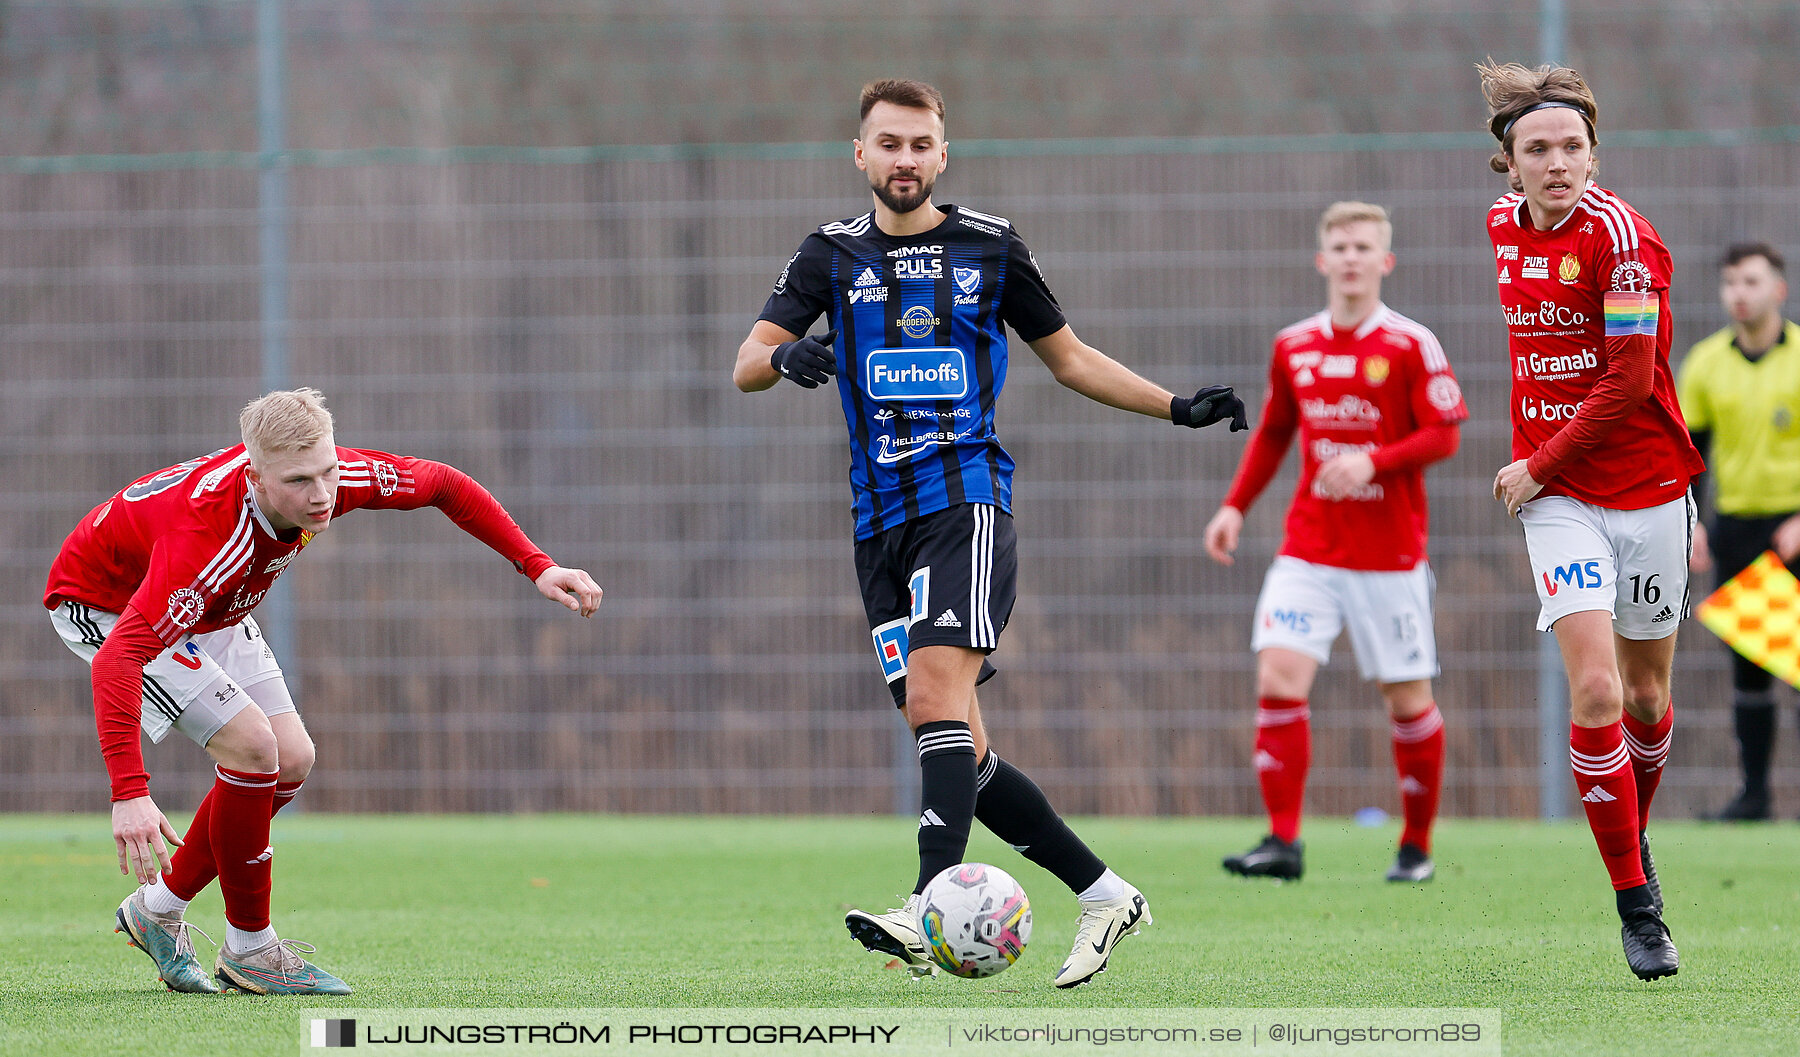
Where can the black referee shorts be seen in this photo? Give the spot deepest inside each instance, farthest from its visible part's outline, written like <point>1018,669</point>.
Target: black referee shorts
<point>944,579</point>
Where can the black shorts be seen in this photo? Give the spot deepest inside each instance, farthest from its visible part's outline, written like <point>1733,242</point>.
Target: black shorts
<point>945,579</point>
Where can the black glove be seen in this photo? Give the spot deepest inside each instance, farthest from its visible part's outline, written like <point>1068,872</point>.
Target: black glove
<point>1209,405</point>
<point>809,362</point>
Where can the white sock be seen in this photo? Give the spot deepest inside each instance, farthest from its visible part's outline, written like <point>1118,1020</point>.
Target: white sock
<point>1110,886</point>
<point>159,900</point>
<point>242,942</point>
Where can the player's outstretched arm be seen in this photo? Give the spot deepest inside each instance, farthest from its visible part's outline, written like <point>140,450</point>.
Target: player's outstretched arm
<point>573,589</point>
<point>475,510</point>
<point>139,832</point>
<point>1079,366</point>
<point>1097,376</point>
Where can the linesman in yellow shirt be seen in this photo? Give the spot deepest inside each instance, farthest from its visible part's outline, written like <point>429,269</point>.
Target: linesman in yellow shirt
<point>1740,393</point>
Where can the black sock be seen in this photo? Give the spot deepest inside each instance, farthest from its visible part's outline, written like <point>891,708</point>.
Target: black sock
<point>1634,898</point>
<point>946,796</point>
<point>1017,811</point>
<point>1753,717</point>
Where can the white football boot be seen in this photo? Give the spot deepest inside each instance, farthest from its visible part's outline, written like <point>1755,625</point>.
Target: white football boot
<point>1103,924</point>
<point>894,933</point>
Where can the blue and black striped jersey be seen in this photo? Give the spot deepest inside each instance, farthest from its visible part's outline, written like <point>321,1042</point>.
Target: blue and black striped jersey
<point>921,353</point>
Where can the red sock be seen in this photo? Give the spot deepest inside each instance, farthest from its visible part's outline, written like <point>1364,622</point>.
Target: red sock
<point>1283,753</point>
<point>285,792</point>
<point>242,803</point>
<point>1419,760</point>
<point>192,868</point>
<point>1609,793</point>
<point>1648,746</point>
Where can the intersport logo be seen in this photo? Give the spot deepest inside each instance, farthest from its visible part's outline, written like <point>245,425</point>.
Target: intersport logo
<point>1532,410</point>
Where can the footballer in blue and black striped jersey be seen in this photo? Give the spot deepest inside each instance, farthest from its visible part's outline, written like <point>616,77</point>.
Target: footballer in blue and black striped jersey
<point>921,353</point>
<point>916,300</point>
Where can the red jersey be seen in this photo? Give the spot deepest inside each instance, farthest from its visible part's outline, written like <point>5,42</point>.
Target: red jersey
<point>1574,298</point>
<point>188,548</point>
<point>1378,390</point>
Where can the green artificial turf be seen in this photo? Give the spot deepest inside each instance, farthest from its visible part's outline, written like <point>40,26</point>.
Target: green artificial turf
<point>572,912</point>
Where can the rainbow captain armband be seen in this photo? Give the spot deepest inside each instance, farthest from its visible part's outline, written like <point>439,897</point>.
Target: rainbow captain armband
<point>1631,312</point>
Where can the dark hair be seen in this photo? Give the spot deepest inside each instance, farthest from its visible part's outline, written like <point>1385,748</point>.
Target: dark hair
<point>1743,251</point>
<point>1512,89</point>
<point>914,94</point>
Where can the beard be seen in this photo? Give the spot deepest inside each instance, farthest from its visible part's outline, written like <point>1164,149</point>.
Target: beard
<point>903,203</point>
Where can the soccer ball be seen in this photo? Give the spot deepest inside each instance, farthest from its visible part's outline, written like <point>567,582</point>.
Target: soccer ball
<point>974,919</point>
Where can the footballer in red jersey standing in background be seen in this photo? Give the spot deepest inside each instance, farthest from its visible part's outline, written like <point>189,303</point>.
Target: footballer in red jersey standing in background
<point>1601,462</point>
<point>154,589</point>
<point>1374,401</point>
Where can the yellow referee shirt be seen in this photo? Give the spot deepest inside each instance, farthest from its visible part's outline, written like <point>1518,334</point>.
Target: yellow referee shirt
<point>1752,408</point>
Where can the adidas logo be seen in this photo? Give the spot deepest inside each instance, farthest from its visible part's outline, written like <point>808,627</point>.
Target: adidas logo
<point>947,620</point>
<point>1598,795</point>
<point>267,855</point>
<point>868,278</point>
<point>1267,762</point>
<point>1410,786</point>
<point>930,818</point>
<point>1666,614</point>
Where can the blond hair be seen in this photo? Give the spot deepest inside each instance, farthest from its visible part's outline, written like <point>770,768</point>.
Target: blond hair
<point>1512,89</point>
<point>1338,214</point>
<point>283,421</point>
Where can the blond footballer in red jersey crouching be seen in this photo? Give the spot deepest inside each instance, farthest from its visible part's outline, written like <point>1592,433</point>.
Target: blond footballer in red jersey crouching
<point>1601,462</point>
<point>154,588</point>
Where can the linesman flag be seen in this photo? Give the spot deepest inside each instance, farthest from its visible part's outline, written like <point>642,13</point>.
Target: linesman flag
<point>1757,613</point>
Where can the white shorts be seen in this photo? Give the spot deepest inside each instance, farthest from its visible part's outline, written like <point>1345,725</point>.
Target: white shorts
<point>1303,606</point>
<point>1632,564</point>
<point>195,686</point>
